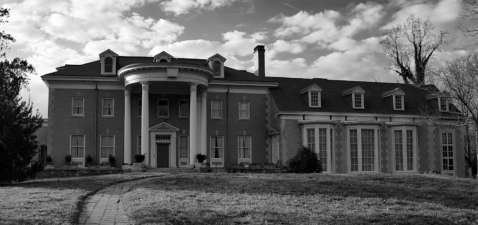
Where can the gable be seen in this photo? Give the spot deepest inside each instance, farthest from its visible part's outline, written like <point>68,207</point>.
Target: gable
<point>313,87</point>
<point>164,127</point>
<point>354,90</point>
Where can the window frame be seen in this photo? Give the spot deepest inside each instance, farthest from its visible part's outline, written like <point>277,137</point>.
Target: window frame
<point>402,103</point>
<point>359,128</point>
<point>362,101</point>
<point>211,148</point>
<point>453,147</point>
<point>404,143</point>
<point>319,99</point>
<point>108,67</point>
<point>240,159</point>
<point>157,108</point>
<point>73,107</point>
<point>248,110</point>
<point>329,142</point>
<point>101,146</point>
<point>187,110</point>
<point>187,147</point>
<point>103,107</point>
<point>220,110</point>
<point>447,104</point>
<point>78,146</point>
<point>219,73</point>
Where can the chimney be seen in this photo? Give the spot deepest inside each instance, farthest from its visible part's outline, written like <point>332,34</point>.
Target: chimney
<point>259,61</point>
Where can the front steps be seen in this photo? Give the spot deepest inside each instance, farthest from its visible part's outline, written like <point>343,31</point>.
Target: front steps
<point>171,170</point>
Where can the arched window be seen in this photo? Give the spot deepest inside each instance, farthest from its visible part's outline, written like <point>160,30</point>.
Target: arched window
<point>216,68</point>
<point>108,65</point>
<point>163,60</point>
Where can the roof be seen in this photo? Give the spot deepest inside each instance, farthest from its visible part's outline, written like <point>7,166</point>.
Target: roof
<point>288,99</point>
<point>93,69</point>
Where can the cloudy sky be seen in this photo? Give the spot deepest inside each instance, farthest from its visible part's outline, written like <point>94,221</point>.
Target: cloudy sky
<point>336,39</point>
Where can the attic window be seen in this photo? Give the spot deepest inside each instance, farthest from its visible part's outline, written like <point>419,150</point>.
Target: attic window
<point>163,60</point>
<point>398,102</point>
<point>357,100</point>
<point>216,67</point>
<point>443,104</point>
<point>108,65</point>
<point>314,98</point>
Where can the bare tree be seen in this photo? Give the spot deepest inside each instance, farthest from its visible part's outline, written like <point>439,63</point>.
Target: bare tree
<point>468,23</point>
<point>460,78</point>
<point>410,46</point>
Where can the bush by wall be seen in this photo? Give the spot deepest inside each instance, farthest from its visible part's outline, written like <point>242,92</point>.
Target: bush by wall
<point>305,161</point>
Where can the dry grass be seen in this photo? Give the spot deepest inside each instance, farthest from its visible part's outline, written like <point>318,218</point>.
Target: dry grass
<point>303,199</point>
<point>51,201</point>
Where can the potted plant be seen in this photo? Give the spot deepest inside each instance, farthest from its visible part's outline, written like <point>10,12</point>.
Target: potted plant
<point>49,162</point>
<point>68,162</point>
<point>112,160</point>
<point>200,161</point>
<point>89,160</point>
<point>126,167</point>
<point>138,166</point>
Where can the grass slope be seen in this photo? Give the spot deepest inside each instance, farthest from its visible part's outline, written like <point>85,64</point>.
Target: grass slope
<point>52,201</point>
<point>303,199</point>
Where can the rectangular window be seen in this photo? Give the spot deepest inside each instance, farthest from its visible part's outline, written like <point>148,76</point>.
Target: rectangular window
<point>323,147</point>
<point>183,108</point>
<point>216,109</point>
<point>108,107</point>
<point>138,145</point>
<point>398,102</point>
<point>358,101</point>
<point>443,104</point>
<point>311,139</point>
<point>410,151</point>
<point>107,146</point>
<point>398,150</point>
<point>163,108</point>
<point>314,97</point>
<point>183,147</point>
<point>77,146</point>
<point>363,149</point>
<point>217,147</point>
<point>447,147</point>
<point>244,110</point>
<point>78,107</point>
<point>404,148</point>
<point>244,147</point>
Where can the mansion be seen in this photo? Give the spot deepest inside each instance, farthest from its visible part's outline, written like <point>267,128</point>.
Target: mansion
<point>171,109</point>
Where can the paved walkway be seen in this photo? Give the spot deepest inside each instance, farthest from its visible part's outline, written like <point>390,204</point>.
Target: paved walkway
<point>105,206</point>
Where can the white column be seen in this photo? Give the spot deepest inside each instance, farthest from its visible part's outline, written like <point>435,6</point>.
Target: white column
<point>204,123</point>
<point>127,125</point>
<point>192,124</point>
<point>145,122</point>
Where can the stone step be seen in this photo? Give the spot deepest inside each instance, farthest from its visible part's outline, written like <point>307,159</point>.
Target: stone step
<point>171,170</point>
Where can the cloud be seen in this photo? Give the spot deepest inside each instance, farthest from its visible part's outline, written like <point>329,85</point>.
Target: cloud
<point>284,46</point>
<point>178,7</point>
<point>328,26</point>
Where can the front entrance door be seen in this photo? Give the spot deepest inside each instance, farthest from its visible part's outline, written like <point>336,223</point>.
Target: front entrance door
<point>163,155</point>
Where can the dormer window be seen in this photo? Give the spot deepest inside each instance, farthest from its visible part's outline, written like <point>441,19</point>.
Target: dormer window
<point>108,62</point>
<point>162,57</point>
<point>398,98</point>
<point>443,104</point>
<point>398,102</point>
<point>358,99</point>
<point>313,95</point>
<point>108,65</point>
<point>216,63</point>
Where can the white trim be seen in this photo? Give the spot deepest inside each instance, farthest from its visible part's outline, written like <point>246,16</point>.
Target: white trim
<point>348,114</point>
<point>157,108</point>
<point>73,105</point>
<point>103,105</point>
<point>404,130</point>
<point>249,91</point>
<point>447,102</point>
<point>329,142</point>
<point>87,86</point>
<point>185,160</point>
<point>245,160</point>
<point>243,83</point>
<point>79,159</point>
<point>359,129</point>
<point>179,108</point>
<point>211,150</point>
<point>402,98</point>
<point>114,146</point>
<point>453,145</point>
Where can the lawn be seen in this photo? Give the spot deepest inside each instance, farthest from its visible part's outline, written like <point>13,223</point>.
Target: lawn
<point>303,199</point>
<point>52,201</point>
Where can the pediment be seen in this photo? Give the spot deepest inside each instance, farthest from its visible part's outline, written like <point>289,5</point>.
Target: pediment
<point>355,90</point>
<point>163,55</point>
<point>272,131</point>
<point>396,92</point>
<point>217,57</point>
<point>313,87</point>
<point>164,127</point>
<point>108,52</point>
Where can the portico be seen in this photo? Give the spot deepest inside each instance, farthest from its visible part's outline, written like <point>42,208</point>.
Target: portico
<point>166,78</point>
